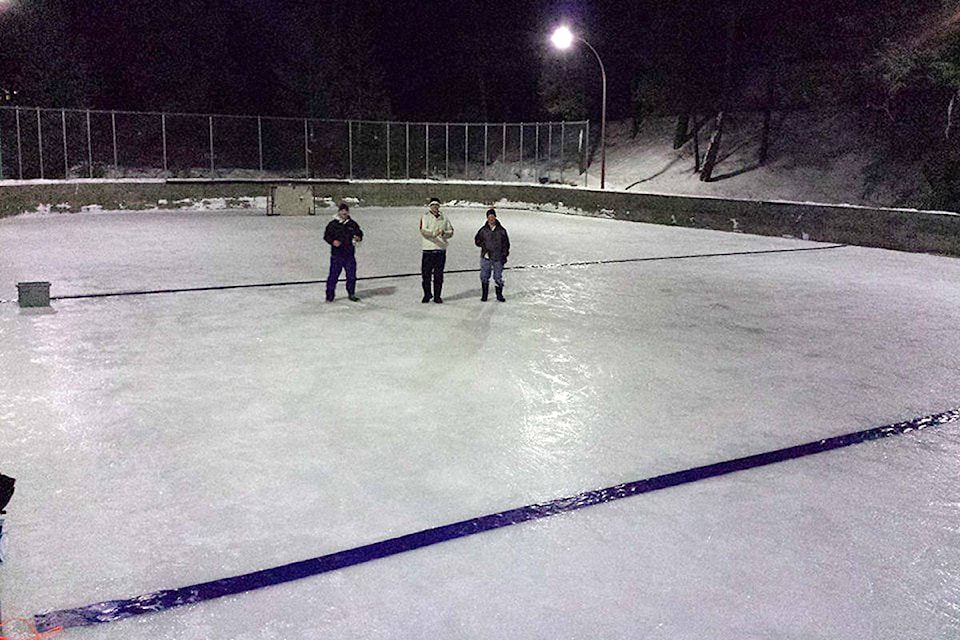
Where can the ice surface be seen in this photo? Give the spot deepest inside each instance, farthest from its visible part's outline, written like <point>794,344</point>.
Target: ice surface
<point>160,441</point>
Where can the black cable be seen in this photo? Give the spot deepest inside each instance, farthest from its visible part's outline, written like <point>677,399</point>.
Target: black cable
<point>145,292</point>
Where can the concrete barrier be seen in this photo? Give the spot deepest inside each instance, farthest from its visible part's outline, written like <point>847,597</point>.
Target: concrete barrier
<point>899,229</point>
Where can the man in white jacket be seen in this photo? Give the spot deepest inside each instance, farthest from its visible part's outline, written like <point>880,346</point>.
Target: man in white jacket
<point>436,231</point>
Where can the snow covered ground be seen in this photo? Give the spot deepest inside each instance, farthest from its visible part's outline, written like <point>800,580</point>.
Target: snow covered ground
<point>160,441</point>
<point>815,156</point>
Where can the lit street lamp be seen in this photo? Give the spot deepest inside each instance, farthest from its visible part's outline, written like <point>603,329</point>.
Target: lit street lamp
<point>563,38</point>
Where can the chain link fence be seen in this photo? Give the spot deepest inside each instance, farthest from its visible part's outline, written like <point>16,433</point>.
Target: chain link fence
<point>69,143</point>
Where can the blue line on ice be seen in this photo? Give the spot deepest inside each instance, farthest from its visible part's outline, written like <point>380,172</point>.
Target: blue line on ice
<point>112,610</point>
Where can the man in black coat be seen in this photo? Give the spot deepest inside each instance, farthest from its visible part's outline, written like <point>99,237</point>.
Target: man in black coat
<point>494,246</point>
<point>6,491</point>
<point>342,234</point>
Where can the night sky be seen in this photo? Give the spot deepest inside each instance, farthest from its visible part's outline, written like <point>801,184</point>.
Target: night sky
<point>435,58</point>
<point>404,59</point>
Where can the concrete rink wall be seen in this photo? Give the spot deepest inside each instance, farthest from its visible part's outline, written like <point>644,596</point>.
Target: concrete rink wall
<point>886,228</point>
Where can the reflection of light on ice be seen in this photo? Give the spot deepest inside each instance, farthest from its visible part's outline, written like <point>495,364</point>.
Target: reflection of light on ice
<point>553,426</point>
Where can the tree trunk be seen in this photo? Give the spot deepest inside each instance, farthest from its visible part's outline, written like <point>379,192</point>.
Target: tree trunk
<point>942,167</point>
<point>714,149</point>
<point>696,148</point>
<point>767,112</point>
<point>710,161</point>
<point>680,135</point>
<point>951,109</point>
<point>636,109</point>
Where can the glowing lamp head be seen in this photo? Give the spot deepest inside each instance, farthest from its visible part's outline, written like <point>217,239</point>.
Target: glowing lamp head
<point>562,38</point>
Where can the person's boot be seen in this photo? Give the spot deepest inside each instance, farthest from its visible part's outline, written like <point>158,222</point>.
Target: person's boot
<point>427,296</point>
<point>500,297</point>
<point>436,293</point>
<point>485,289</point>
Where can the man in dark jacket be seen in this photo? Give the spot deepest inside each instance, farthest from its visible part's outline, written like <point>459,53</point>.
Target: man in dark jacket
<point>494,248</point>
<point>6,491</point>
<point>342,234</point>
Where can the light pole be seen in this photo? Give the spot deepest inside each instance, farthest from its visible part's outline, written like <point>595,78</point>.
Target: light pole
<point>563,38</point>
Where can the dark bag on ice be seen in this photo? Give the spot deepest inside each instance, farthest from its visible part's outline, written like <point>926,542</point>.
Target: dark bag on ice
<point>6,490</point>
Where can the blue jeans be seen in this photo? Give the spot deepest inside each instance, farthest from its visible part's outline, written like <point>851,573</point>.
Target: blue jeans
<point>339,262</point>
<point>486,266</point>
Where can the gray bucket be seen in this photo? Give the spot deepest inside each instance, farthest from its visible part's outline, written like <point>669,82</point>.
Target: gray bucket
<point>33,294</point>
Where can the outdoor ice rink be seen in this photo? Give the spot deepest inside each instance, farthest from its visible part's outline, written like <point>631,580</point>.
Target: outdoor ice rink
<point>161,441</point>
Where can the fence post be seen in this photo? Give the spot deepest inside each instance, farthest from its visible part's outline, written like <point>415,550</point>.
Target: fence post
<point>40,142</point>
<point>16,113</point>
<point>163,129</point>
<point>426,171</point>
<point>66,164</point>
<point>89,147</point>
<point>350,146</point>
<point>486,127</point>
<point>260,142</point>
<point>388,150</point>
<point>563,137</point>
<point>213,168</point>
<point>503,154</point>
<point>113,124</point>
<point>466,151</point>
<point>306,150</point>
<point>1,153</point>
<point>536,155</point>
<point>521,152</point>
<point>446,162</point>
<point>585,154</point>
<point>408,150</point>
<point>549,145</point>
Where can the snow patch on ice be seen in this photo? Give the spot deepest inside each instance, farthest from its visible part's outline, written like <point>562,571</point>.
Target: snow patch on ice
<point>204,204</point>
<point>465,203</point>
<point>218,204</point>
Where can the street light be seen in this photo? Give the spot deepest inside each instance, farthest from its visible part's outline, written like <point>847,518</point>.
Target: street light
<point>563,38</point>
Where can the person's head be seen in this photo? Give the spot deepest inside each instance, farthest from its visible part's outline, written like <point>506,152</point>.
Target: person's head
<point>492,217</point>
<point>434,206</point>
<point>343,211</point>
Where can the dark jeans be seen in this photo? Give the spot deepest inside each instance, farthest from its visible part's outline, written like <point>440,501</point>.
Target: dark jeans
<point>496,266</point>
<point>431,265</point>
<point>339,262</point>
